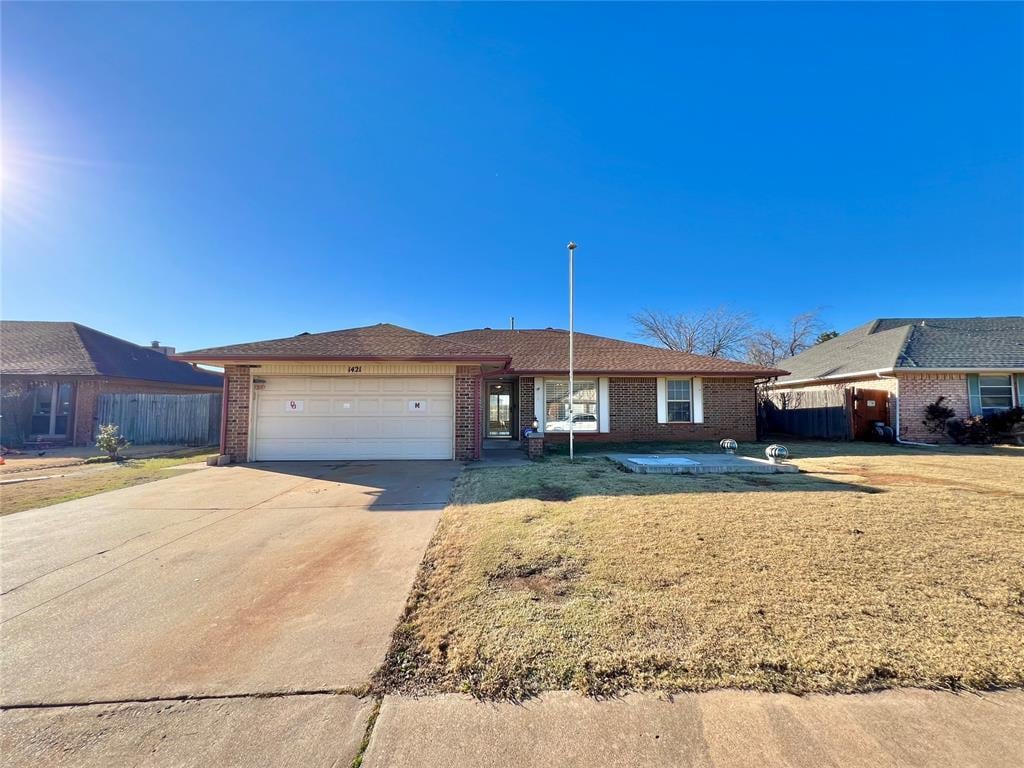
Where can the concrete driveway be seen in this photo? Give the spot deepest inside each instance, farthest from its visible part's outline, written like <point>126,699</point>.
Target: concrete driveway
<point>278,578</point>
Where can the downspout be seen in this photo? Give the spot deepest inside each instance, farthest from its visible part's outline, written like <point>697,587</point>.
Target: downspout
<point>224,416</point>
<point>897,432</point>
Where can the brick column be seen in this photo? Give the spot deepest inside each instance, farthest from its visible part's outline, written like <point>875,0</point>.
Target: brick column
<point>467,417</point>
<point>236,431</point>
<point>84,415</point>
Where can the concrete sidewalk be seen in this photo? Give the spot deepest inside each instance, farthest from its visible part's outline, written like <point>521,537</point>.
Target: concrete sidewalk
<point>720,729</point>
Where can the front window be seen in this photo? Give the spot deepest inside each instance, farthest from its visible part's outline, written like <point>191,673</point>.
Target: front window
<point>680,400</point>
<point>584,405</point>
<point>996,393</point>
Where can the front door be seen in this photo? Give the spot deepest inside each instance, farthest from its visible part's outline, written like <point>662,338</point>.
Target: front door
<point>499,409</point>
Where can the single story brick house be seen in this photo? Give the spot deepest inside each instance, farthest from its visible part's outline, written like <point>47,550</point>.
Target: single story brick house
<point>976,363</point>
<point>53,374</point>
<point>385,392</point>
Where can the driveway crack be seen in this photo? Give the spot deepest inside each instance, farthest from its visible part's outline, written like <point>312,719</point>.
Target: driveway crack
<point>151,551</point>
<point>358,692</point>
<point>129,540</point>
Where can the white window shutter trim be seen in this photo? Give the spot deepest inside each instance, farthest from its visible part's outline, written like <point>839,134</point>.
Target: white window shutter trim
<point>698,400</point>
<point>538,403</point>
<point>662,400</point>
<point>603,417</point>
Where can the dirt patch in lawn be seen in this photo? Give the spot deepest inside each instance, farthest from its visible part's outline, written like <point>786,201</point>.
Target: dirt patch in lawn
<point>862,572</point>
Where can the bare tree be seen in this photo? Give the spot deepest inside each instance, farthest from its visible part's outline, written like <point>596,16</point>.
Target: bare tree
<point>719,332</point>
<point>767,347</point>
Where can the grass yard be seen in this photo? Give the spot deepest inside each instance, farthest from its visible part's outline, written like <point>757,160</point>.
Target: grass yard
<point>876,567</point>
<point>81,481</point>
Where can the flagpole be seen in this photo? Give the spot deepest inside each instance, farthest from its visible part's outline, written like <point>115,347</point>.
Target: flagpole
<point>572,390</point>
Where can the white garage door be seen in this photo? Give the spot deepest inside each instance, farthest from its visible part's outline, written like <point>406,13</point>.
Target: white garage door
<point>320,417</point>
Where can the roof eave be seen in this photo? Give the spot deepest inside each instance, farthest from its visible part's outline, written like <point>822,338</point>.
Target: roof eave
<point>766,373</point>
<point>263,358</point>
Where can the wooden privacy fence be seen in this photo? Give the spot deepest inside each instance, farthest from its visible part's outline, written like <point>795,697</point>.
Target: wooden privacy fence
<point>174,419</point>
<point>821,413</point>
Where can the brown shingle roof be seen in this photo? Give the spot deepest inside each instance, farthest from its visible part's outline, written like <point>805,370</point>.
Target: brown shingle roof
<point>547,351</point>
<point>41,348</point>
<point>382,341</point>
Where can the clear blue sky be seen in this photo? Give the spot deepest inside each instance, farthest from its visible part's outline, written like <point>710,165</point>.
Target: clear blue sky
<point>207,174</point>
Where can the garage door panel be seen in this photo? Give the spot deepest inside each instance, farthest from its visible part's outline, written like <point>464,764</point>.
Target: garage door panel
<point>392,407</point>
<point>366,406</point>
<point>362,418</point>
<point>320,406</point>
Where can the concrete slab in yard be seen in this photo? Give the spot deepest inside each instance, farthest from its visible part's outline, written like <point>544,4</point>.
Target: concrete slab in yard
<point>239,580</point>
<point>721,729</point>
<point>285,732</point>
<point>698,464</point>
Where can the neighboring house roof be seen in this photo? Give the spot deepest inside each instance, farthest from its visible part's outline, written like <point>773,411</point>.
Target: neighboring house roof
<point>931,343</point>
<point>374,342</point>
<point>38,348</point>
<point>547,351</point>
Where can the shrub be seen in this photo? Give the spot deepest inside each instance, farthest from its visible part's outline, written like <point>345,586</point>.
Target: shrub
<point>1001,422</point>
<point>984,429</point>
<point>936,415</point>
<point>110,440</point>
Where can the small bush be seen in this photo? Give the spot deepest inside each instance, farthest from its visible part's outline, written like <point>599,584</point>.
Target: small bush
<point>110,440</point>
<point>1002,422</point>
<point>936,415</point>
<point>984,429</point>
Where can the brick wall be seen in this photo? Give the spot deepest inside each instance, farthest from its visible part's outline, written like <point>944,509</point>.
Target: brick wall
<point>468,383</point>
<point>527,412</point>
<point>236,429</point>
<point>917,390</point>
<point>729,411</point>
<point>86,392</point>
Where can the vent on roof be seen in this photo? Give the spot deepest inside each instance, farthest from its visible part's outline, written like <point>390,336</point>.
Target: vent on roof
<point>304,333</point>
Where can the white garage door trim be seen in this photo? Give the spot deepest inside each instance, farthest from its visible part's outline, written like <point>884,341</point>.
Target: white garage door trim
<point>315,418</point>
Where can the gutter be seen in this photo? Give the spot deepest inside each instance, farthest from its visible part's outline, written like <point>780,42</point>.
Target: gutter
<point>852,375</point>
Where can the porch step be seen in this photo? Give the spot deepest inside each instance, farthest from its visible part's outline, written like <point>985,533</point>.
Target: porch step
<point>501,445</point>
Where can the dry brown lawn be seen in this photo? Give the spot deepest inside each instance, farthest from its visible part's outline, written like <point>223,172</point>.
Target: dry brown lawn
<point>875,567</point>
<point>78,482</point>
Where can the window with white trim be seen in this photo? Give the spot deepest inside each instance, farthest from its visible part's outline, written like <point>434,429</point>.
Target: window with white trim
<point>996,393</point>
<point>584,405</point>
<point>680,400</point>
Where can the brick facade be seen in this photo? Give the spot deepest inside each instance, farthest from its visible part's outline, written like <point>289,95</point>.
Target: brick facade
<point>918,390</point>
<point>238,383</point>
<point>729,411</point>
<point>527,412</point>
<point>468,416</point>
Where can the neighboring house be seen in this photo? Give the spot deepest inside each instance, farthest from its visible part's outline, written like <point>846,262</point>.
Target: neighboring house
<point>384,392</point>
<point>976,363</point>
<point>53,374</point>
